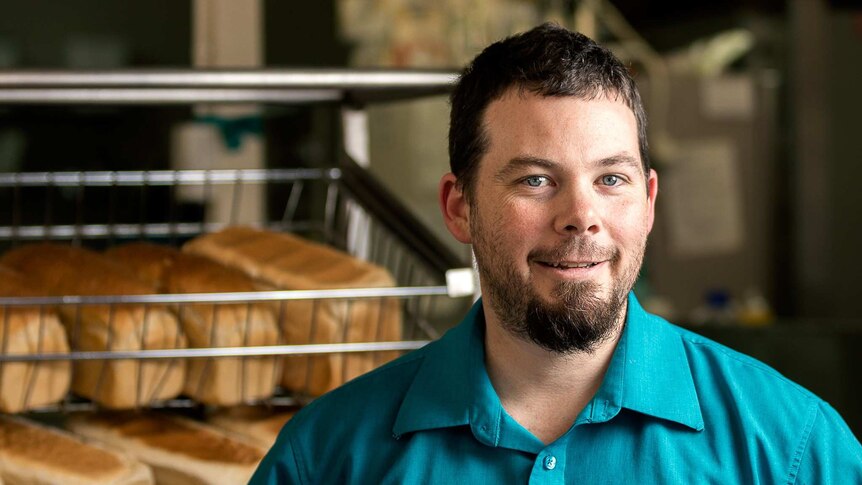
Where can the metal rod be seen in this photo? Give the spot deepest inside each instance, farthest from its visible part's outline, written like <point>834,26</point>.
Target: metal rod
<point>213,86</point>
<point>69,231</point>
<point>69,405</point>
<point>294,79</point>
<point>164,177</point>
<point>65,96</point>
<point>197,353</point>
<point>242,297</point>
<point>292,201</point>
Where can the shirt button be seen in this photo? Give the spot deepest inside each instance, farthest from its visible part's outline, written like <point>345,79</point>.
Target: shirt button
<point>550,462</point>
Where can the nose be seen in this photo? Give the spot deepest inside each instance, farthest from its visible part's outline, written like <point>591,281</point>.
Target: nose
<point>576,212</point>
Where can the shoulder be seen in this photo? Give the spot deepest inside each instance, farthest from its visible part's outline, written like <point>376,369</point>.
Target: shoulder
<point>721,374</point>
<point>766,416</point>
<point>716,365</point>
<point>829,453</point>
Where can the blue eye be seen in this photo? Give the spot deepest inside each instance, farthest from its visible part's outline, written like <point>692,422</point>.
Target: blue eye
<point>610,180</point>
<point>536,181</point>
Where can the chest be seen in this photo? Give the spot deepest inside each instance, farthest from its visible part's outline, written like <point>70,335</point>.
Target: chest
<point>592,454</point>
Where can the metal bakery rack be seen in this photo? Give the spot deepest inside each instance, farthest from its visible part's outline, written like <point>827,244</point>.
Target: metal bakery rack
<point>341,205</point>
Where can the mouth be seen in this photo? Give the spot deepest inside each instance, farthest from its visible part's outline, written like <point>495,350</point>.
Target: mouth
<point>569,264</point>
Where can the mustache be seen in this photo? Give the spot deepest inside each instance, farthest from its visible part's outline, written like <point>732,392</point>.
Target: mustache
<point>575,249</point>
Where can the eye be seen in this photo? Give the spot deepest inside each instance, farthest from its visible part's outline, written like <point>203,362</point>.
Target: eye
<point>536,181</point>
<point>610,180</point>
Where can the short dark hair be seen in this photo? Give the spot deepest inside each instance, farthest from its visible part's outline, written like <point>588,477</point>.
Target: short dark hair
<point>547,60</point>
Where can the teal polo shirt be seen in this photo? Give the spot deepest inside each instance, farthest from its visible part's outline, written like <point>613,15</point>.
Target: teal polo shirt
<point>674,407</point>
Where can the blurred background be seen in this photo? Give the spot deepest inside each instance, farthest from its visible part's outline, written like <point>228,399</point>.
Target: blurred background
<point>753,107</point>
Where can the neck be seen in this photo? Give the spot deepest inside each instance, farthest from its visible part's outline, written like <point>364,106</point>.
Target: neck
<point>543,391</point>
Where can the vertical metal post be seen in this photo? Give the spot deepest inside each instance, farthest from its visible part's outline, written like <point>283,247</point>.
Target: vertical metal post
<point>354,123</point>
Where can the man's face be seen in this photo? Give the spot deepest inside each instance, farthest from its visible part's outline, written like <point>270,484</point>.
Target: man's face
<point>559,216</point>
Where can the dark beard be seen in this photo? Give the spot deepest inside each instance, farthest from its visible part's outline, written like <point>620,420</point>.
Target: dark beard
<point>580,324</point>
<point>578,320</point>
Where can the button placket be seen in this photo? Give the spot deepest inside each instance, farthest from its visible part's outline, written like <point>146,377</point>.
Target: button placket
<point>549,467</point>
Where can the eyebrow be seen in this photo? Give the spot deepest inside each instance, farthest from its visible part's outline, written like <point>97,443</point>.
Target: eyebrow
<point>519,163</point>
<point>619,159</point>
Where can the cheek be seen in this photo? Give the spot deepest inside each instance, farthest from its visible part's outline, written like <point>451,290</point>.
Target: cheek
<point>630,232</point>
<point>509,228</point>
<point>522,221</point>
<point>627,220</point>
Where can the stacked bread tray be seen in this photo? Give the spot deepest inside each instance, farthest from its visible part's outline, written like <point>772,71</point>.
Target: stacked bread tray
<point>153,325</point>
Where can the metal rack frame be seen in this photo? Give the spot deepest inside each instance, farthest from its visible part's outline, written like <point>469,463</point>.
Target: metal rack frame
<point>226,298</point>
<point>350,88</point>
<point>192,86</point>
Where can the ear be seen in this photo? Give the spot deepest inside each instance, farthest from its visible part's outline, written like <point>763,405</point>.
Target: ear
<point>652,194</point>
<point>455,208</point>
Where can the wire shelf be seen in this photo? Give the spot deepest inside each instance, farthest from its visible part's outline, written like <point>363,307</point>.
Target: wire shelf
<point>98,210</point>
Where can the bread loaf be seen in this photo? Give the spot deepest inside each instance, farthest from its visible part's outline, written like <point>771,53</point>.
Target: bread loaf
<point>290,263</point>
<point>178,450</point>
<point>67,270</point>
<point>253,422</point>
<point>30,330</point>
<point>217,381</point>
<point>35,454</point>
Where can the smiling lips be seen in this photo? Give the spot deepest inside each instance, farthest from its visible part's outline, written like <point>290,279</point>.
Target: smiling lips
<point>573,258</point>
<point>568,264</point>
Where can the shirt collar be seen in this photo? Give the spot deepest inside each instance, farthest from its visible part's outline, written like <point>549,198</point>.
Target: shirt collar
<point>649,373</point>
<point>451,384</point>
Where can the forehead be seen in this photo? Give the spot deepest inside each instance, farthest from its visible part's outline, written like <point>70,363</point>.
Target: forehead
<point>565,129</point>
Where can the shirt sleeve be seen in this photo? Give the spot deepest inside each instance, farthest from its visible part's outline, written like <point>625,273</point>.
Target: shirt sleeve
<point>279,466</point>
<point>832,454</point>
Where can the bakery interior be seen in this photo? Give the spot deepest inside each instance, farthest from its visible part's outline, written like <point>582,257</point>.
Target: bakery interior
<point>212,211</point>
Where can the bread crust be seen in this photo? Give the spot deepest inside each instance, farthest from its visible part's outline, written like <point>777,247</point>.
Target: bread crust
<point>30,330</point>
<point>288,262</point>
<point>120,384</point>
<point>179,450</point>
<point>255,423</point>
<point>223,380</point>
<point>32,453</point>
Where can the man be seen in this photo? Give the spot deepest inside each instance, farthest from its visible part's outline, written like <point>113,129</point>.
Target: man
<point>558,375</point>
